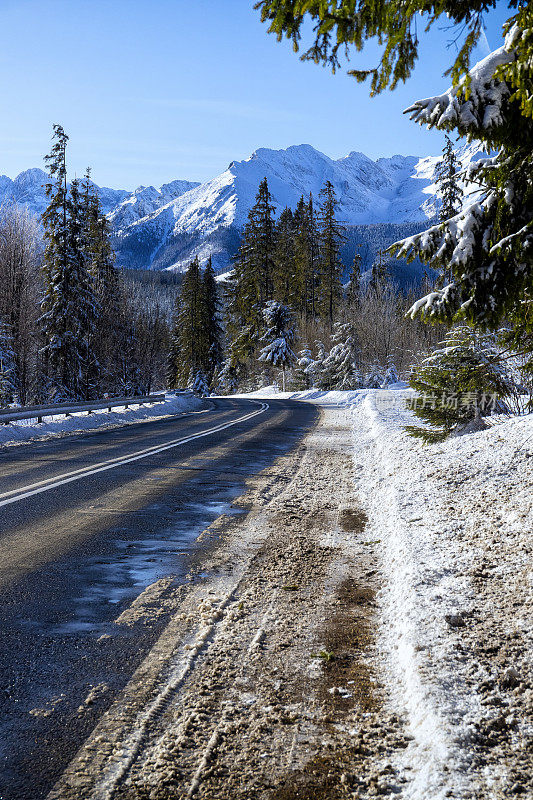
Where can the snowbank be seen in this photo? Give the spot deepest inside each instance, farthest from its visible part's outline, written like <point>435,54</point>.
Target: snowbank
<point>320,397</point>
<point>24,430</point>
<point>453,526</point>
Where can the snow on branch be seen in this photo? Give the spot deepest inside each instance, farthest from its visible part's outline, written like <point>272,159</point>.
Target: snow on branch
<point>505,241</point>
<point>453,241</point>
<point>433,303</point>
<point>475,103</point>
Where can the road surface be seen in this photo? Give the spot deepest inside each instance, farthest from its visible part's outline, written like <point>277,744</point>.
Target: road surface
<point>87,521</point>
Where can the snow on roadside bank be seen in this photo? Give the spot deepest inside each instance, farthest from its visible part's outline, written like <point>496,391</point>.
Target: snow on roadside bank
<point>23,430</point>
<point>453,525</point>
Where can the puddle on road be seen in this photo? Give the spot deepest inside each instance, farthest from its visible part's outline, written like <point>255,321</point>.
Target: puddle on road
<point>132,564</point>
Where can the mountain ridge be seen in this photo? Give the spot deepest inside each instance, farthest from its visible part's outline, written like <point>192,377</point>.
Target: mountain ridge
<point>163,228</point>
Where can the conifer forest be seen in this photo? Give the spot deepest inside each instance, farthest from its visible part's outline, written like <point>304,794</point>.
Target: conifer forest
<point>76,327</point>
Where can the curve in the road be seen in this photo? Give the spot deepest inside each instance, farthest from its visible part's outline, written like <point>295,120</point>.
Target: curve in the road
<point>16,495</point>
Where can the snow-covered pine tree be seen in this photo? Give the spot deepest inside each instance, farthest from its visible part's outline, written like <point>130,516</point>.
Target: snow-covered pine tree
<point>339,369</point>
<point>68,305</point>
<point>278,337</point>
<point>304,369</point>
<point>315,369</point>
<point>374,377</point>
<point>85,316</point>
<point>391,377</point>
<point>489,244</point>
<point>56,234</point>
<point>447,181</point>
<point>379,274</point>
<point>198,383</point>
<point>463,381</point>
<point>229,378</point>
<point>8,372</point>
<point>213,355</point>
<point>331,239</point>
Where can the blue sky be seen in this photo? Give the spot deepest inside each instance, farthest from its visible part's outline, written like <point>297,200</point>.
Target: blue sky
<point>154,90</point>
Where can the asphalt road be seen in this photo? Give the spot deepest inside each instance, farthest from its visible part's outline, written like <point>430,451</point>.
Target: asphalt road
<point>87,521</point>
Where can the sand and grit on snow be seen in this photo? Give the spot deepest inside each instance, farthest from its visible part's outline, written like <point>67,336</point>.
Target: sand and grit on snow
<point>25,430</point>
<point>453,528</point>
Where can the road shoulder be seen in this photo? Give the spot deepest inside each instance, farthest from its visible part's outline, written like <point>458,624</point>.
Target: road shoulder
<point>263,684</point>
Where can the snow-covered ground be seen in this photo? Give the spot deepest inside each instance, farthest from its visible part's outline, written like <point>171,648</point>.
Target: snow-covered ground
<point>452,527</point>
<point>23,430</point>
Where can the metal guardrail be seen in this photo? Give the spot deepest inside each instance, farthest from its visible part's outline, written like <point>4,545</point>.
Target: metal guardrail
<point>8,415</point>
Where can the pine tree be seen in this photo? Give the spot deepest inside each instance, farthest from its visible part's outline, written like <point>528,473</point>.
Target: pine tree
<point>316,369</point>
<point>174,352</point>
<point>379,274</point>
<point>353,289</point>
<point>243,312</point>
<point>8,376</point>
<point>229,378</point>
<point>84,318</point>
<point>284,282</point>
<point>342,26</point>
<point>188,335</point>
<point>198,383</point>
<point>488,246</point>
<point>458,384</point>
<point>391,376</point>
<point>304,369</point>
<point>68,304</point>
<point>56,256</point>
<point>279,337</point>
<point>108,335</point>
<point>374,377</point>
<point>261,233</point>
<point>446,178</point>
<point>339,370</point>
<point>213,353</point>
<point>252,282</point>
<point>100,253</point>
<point>331,239</point>
<point>306,260</point>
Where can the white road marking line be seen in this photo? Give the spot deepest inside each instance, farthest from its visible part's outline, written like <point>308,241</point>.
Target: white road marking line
<point>84,469</point>
<point>43,486</point>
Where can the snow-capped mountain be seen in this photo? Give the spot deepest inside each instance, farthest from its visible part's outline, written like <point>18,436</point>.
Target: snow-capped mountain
<point>28,190</point>
<point>145,201</point>
<point>207,219</point>
<point>164,228</point>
